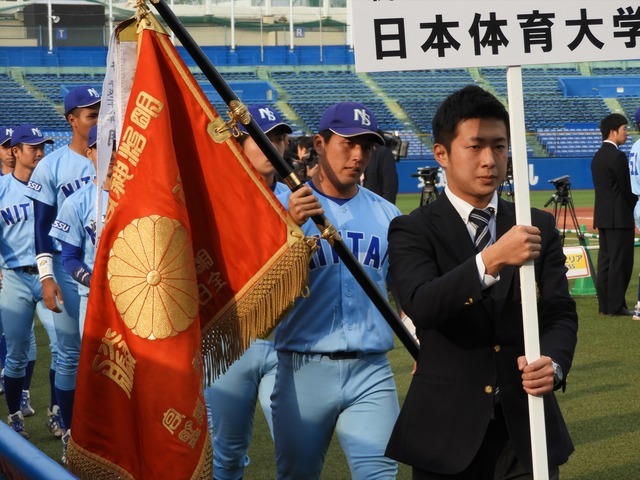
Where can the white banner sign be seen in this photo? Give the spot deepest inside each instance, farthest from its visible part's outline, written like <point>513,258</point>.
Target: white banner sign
<point>430,34</point>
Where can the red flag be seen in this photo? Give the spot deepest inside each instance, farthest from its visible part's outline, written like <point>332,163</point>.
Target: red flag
<point>195,248</point>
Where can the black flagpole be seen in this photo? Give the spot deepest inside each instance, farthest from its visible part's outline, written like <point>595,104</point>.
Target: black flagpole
<point>286,172</point>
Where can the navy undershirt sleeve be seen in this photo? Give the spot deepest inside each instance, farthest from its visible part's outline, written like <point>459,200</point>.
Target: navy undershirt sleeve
<point>73,264</point>
<point>44,216</point>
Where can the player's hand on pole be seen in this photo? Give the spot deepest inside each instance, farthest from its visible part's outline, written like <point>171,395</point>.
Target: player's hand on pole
<point>303,204</point>
<point>516,247</point>
<point>538,376</point>
<point>52,295</point>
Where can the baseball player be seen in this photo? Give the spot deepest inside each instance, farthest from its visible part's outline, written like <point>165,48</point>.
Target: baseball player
<point>21,294</point>
<point>231,400</point>
<point>75,228</point>
<point>333,372</point>
<point>56,177</point>
<point>634,167</point>
<point>7,164</point>
<point>6,156</point>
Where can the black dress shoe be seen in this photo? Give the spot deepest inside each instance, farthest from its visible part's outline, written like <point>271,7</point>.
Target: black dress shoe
<point>623,312</point>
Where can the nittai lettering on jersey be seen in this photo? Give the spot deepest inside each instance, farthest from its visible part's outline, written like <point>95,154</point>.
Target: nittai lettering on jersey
<point>15,213</point>
<point>91,231</point>
<point>60,225</point>
<point>367,251</point>
<point>34,186</point>
<point>75,185</point>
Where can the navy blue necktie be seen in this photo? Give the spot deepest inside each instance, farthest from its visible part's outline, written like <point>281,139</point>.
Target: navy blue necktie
<point>481,218</point>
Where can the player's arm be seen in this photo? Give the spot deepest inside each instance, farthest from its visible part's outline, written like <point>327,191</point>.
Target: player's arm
<point>73,264</point>
<point>51,294</point>
<point>44,216</point>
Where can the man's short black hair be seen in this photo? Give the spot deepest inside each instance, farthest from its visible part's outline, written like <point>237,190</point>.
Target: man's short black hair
<point>612,122</point>
<point>464,104</point>
<point>305,142</point>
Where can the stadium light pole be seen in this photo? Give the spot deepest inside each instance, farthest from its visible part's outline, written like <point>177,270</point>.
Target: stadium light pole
<point>233,26</point>
<point>261,36</point>
<point>320,21</point>
<point>291,25</point>
<point>110,17</point>
<point>50,24</point>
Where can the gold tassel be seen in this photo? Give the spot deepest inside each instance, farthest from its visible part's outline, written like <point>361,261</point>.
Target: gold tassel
<point>89,466</point>
<point>257,313</point>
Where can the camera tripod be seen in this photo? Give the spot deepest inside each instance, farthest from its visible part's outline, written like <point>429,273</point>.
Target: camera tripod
<point>506,187</point>
<point>429,177</point>
<point>563,207</point>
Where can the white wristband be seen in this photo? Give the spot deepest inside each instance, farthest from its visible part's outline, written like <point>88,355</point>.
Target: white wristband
<point>407,322</point>
<point>45,265</point>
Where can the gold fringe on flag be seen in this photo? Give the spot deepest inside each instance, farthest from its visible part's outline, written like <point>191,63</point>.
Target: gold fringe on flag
<point>255,311</point>
<point>88,466</point>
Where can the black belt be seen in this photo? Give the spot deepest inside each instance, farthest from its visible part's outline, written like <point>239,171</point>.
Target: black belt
<point>331,355</point>
<point>31,270</point>
<point>341,355</point>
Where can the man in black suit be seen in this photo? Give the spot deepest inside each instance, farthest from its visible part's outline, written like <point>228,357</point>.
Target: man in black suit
<point>381,176</point>
<point>466,413</point>
<point>613,216</point>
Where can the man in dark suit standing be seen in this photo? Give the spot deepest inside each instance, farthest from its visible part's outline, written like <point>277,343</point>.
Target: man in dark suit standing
<point>381,176</point>
<point>613,216</point>
<point>454,263</point>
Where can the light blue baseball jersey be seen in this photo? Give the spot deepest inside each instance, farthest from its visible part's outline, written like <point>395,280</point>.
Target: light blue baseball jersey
<point>634,170</point>
<point>58,175</point>
<point>17,243</point>
<point>634,167</point>
<point>338,315</point>
<point>76,224</point>
<point>280,189</point>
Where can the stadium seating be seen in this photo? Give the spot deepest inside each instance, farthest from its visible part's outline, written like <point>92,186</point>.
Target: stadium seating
<point>562,126</point>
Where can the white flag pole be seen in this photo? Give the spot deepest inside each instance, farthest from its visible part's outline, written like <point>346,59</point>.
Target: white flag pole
<point>527,277</point>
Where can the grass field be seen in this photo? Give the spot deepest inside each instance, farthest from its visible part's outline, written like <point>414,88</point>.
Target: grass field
<point>601,404</point>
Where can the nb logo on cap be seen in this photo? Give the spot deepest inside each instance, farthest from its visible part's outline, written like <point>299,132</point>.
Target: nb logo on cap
<point>36,132</point>
<point>93,92</point>
<point>268,114</point>
<point>8,132</point>
<point>361,115</point>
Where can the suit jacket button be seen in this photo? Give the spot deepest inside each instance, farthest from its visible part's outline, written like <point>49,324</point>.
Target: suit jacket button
<point>488,389</point>
<point>496,348</point>
<point>469,301</point>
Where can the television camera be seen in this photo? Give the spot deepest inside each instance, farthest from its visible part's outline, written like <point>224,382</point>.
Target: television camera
<point>399,148</point>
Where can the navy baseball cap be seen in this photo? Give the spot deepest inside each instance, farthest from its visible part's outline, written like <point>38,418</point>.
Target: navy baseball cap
<point>638,115</point>
<point>350,119</point>
<point>266,118</point>
<point>5,134</point>
<point>80,97</point>
<point>29,135</point>
<point>93,136</point>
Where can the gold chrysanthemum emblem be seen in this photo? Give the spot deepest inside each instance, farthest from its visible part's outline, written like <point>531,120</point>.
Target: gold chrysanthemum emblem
<point>152,277</point>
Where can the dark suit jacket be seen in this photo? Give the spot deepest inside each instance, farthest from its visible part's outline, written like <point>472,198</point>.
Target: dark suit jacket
<point>614,202</point>
<point>469,342</point>
<point>381,176</point>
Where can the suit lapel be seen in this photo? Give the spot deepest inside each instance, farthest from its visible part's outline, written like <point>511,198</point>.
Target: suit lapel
<point>452,230</point>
